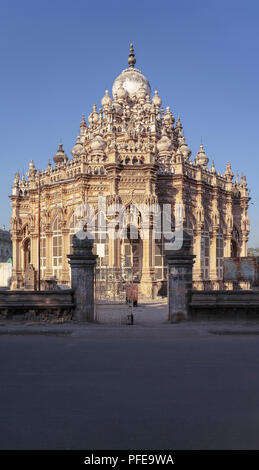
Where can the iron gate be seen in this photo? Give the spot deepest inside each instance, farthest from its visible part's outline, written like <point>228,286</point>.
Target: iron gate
<point>113,295</point>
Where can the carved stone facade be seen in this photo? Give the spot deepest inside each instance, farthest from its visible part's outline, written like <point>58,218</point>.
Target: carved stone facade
<point>132,152</point>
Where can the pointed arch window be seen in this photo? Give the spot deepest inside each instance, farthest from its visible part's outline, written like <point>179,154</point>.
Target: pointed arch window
<point>57,248</point>
<point>205,252</point>
<point>220,254</point>
<point>43,254</point>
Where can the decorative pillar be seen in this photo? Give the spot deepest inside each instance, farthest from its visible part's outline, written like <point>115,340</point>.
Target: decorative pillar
<point>82,263</point>
<point>180,263</point>
<point>16,280</point>
<point>227,245</point>
<point>197,270</point>
<point>244,240</point>
<point>111,249</point>
<point>65,249</point>
<point>147,277</point>
<point>34,251</point>
<point>213,259</point>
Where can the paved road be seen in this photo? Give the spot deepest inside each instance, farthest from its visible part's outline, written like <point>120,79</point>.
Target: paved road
<point>172,387</point>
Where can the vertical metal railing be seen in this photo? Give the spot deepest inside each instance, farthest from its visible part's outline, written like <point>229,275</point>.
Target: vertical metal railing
<point>113,286</point>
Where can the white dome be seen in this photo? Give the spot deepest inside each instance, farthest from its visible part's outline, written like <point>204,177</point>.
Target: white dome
<point>118,108</point>
<point>201,158</point>
<point>77,149</point>
<point>164,144</point>
<point>98,144</point>
<point>156,100</point>
<point>141,94</point>
<point>106,101</point>
<point>132,80</point>
<point>122,93</point>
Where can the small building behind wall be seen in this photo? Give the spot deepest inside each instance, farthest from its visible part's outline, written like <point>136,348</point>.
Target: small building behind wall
<point>5,258</point>
<point>5,274</point>
<point>241,273</point>
<point>5,245</point>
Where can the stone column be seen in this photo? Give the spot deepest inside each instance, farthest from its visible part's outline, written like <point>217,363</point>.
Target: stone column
<point>197,270</point>
<point>82,263</point>
<point>180,263</point>
<point>213,260</point>
<point>111,251</point>
<point>65,249</point>
<point>16,280</point>
<point>147,277</point>
<point>34,251</point>
<point>227,246</point>
<point>244,240</point>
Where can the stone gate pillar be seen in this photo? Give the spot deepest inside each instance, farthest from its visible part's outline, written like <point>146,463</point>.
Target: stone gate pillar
<point>180,263</point>
<point>82,263</point>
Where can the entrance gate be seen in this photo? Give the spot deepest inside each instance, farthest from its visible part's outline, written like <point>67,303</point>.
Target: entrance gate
<point>113,295</point>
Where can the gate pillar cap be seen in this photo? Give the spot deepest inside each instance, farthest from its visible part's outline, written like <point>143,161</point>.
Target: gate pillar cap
<point>82,244</point>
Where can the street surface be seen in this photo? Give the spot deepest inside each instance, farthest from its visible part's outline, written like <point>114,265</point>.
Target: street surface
<point>153,385</point>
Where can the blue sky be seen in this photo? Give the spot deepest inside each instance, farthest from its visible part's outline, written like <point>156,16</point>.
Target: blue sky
<point>58,58</point>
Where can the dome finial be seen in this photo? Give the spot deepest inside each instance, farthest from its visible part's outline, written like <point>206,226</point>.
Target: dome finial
<point>131,59</point>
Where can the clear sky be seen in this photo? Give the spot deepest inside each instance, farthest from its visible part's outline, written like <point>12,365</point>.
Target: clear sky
<point>58,58</point>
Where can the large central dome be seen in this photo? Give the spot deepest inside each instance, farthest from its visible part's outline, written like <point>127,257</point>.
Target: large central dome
<point>131,79</point>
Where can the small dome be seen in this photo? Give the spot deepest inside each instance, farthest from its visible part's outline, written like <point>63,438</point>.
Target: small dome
<point>77,149</point>
<point>164,144</point>
<point>186,152</point>
<point>98,144</point>
<point>94,116</point>
<point>118,108</point>
<point>122,93</point>
<point>141,94</point>
<point>168,117</point>
<point>147,105</point>
<point>32,170</point>
<point>106,101</point>
<point>156,100</point>
<point>201,158</point>
<point>60,155</point>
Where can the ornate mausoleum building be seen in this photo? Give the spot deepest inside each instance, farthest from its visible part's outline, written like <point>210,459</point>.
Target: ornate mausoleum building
<point>131,152</point>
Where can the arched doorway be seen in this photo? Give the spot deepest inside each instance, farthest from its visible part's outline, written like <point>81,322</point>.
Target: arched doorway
<point>131,251</point>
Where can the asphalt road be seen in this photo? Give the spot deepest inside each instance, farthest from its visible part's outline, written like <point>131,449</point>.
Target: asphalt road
<point>129,388</point>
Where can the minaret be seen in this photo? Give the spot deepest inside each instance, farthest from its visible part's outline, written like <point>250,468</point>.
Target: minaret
<point>83,126</point>
<point>179,126</point>
<point>83,122</point>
